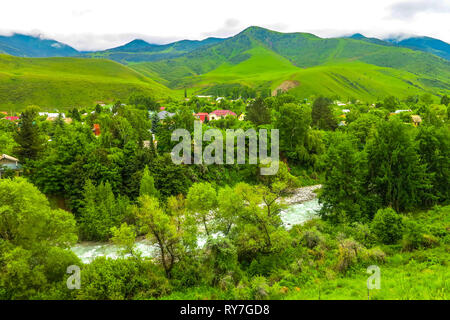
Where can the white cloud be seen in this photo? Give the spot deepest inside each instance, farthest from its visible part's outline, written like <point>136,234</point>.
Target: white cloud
<point>229,28</point>
<point>101,24</point>
<point>407,10</point>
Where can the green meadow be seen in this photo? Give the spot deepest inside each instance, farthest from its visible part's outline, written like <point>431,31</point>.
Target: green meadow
<point>69,82</point>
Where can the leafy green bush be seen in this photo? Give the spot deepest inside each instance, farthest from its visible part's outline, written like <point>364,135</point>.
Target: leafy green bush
<point>416,237</point>
<point>349,250</point>
<point>108,279</point>
<point>313,238</point>
<point>373,255</point>
<point>387,225</point>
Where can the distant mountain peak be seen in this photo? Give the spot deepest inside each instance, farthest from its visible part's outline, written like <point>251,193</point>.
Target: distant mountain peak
<point>357,36</point>
<point>134,45</point>
<point>253,28</point>
<point>422,43</point>
<point>34,46</point>
<point>138,41</point>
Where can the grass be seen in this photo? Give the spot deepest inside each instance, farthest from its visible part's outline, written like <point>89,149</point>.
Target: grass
<point>421,274</point>
<point>60,83</point>
<point>261,58</point>
<point>403,277</point>
<point>343,78</point>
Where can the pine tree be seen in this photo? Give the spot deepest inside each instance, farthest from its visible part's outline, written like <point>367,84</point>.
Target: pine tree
<point>30,142</point>
<point>394,170</point>
<point>322,114</point>
<point>258,112</point>
<point>76,115</point>
<point>445,100</point>
<point>344,197</point>
<point>155,123</point>
<point>101,211</point>
<point>148,185</point>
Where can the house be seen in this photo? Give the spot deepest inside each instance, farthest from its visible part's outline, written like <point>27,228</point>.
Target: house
<point>165,114</point>
<point>339,103</point>
<point>146,143</point>
<point>220,114</point>
<point>12,118</point>
<point>9,163</point>
<point>51,116</point>
<point>416,120</point>
<point>96,129</point>
<point>400,111</point>
<point>100,103</point>
<point>202,116</point>
<point>206,97</point>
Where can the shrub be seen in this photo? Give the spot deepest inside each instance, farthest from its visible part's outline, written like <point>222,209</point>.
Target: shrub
<point>374,255</point>
<point>348,254</point>
<point>362,233</point>
<point>387,226</point>
<point>189,272</point>
<point>312,238</point>
<point>259,288</point>
<point>222,260</point>
<point>108,279</point>
<point>430,241</point>
<point>415,237</point>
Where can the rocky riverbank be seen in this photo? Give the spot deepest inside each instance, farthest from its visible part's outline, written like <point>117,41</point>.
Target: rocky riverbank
<point>302,194</point>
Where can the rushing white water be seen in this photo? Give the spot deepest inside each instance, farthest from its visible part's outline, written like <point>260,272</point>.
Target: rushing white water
<point>296,213</point>
<point>299,213</point>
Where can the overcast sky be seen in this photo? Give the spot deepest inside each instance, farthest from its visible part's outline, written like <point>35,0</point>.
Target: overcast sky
<point>101,24</point>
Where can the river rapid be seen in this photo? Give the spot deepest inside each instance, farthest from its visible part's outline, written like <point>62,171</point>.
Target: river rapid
<point>302,206</point>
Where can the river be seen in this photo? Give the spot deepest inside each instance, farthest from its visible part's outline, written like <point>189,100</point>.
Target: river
<point>303,206</point>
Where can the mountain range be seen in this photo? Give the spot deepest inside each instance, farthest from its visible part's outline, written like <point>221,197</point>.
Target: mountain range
<point>138,50</point>
<point>256,58</point>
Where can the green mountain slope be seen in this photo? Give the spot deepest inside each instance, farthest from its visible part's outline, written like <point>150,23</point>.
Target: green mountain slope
<point>29,46</point>
<point>259,57</point>
<point>427,44</point>
<point>68,82</point>
<point>140,50</point>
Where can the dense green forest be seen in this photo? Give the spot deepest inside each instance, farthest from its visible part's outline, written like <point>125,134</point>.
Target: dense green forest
<point>384,197</point>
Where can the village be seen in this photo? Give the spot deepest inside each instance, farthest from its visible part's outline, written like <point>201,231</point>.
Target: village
<point>11,164</point>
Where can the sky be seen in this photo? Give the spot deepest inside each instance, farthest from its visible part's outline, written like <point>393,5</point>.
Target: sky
<point>102,24</point>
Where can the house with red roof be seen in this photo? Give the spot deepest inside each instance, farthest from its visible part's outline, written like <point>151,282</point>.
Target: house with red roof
<point>220,114</point>
<point>202,116</point>
<point>96,129</point>
<point>12,118</point>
